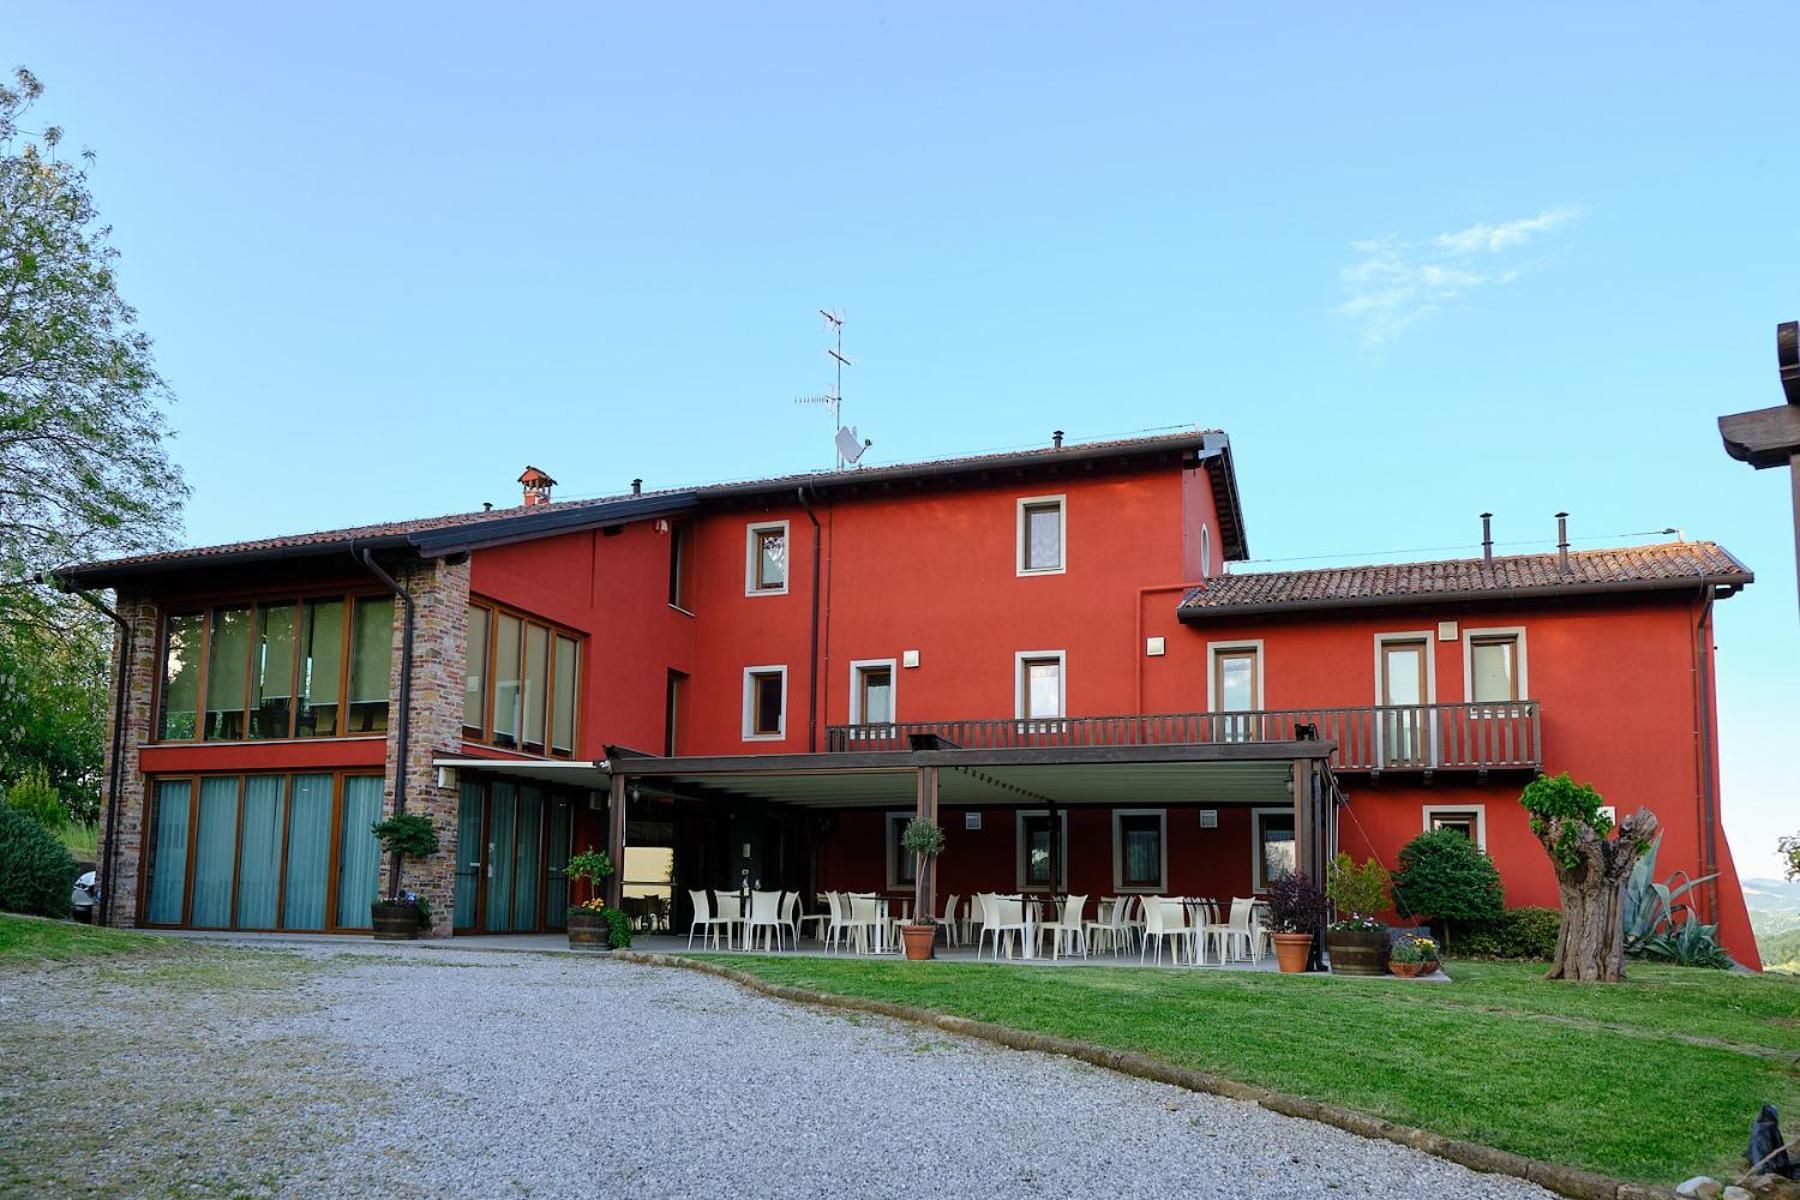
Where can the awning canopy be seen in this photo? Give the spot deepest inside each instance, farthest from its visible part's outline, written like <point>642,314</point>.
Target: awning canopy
<point>581,774</point>
<point>1238,773</point>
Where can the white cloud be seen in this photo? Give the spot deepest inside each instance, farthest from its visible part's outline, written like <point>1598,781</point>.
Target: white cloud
<point>1394,283</point>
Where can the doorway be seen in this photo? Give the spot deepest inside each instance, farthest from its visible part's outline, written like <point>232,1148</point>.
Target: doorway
<point>1404,694</point>
<point>512,858</point>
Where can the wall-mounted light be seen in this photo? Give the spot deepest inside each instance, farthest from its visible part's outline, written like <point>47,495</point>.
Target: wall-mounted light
<point>909,658</point>
<point>446,777</point>
<point>1209,818</point>
<point>1155,647</point>
<point>971,820</point>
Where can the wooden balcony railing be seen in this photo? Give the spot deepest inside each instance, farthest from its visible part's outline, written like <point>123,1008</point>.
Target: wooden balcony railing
<point>1402,737</point>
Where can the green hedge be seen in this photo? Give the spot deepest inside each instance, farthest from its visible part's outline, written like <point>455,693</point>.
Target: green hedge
<point>36,873</point>
<point>1521,933</point>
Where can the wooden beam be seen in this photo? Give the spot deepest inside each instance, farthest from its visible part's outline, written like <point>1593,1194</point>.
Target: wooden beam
<point>1767,437</point>
<point>925,881</point>
<point>615,842</point>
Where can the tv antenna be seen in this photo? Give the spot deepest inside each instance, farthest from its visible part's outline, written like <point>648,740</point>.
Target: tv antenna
<point>849,448</point>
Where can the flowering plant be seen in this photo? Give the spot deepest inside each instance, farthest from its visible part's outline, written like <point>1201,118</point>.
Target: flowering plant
<point>1415,949</point>
<point>618,921</point>
<point>1356,921</point>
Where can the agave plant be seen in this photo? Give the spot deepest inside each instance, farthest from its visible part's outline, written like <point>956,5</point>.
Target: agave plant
<point>1659,924</point>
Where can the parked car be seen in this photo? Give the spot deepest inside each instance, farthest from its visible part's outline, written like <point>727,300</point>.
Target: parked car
<point>86,899</point>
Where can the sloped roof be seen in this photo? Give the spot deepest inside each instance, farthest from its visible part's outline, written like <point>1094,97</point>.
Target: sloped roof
<point>1628,568</point>
<point>454,532</point>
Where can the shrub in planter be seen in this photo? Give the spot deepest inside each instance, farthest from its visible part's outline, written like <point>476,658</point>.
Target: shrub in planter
<point>1357,941</point>
<point>1517,933</point>
<point>593,926</point>
<point>925,841</point>
<point>1445,877</point>
<point>1296,910</point>
<point>36,873</point>
<point>403,914</point>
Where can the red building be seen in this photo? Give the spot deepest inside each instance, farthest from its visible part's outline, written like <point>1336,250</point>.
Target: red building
<point>761,681</point>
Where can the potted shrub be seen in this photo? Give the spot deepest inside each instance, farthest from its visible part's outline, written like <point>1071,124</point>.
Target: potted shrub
<point>1357,941</point>
<point>925,841</point>
<point>402,914</point>
<point>590,924</point>
<point>1296,910</point>
<point>1413,956</point>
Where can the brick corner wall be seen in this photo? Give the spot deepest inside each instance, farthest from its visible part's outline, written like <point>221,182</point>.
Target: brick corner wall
<point>122,816</point>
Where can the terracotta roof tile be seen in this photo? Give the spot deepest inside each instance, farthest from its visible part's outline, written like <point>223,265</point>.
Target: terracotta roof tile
<point>1622,568</point>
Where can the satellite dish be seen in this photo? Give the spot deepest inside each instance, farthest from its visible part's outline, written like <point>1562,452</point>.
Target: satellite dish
<point>849,446</point>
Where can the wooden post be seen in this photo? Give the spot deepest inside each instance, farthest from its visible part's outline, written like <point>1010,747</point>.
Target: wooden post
<point>1770,437</point>
<point>1306,836</point>
<point>925,870</point>
<point>615,842</point>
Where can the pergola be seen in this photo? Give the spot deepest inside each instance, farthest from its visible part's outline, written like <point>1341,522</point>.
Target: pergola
<point>1770,437</point>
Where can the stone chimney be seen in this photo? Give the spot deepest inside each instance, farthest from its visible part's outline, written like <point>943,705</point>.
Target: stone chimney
<point>537,487</point>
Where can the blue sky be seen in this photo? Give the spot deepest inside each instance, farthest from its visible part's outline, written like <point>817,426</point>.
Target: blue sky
<point>1418,264</point>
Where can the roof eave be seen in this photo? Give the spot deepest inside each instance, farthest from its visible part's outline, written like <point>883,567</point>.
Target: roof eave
<point>83,577</point>
<point>1732,584</point>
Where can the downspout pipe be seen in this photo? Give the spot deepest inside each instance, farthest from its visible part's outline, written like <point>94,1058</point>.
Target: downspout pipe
<point>812,670</point>
<point>115,775</point>
<point>403,724</point>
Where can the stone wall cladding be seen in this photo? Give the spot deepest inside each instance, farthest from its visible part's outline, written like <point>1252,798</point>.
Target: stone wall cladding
<point>440,592</point>
<point>127,808</point>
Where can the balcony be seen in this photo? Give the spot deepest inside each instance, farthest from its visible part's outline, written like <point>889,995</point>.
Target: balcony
<point>1418,738</point>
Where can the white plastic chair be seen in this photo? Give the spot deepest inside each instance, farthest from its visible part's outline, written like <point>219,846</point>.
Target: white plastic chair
<point>948,921</point>
<point>1164,919</point>
<point>1101,933</point>
<point>976,918</point>
<point>865,919</point>
<point>728,912</point>
<point>705,924</point>
<point>766,916</point>
<point>1005,916</point>
<point>1235,931</point>
<point>837,926</point>
<point>1068,926</point>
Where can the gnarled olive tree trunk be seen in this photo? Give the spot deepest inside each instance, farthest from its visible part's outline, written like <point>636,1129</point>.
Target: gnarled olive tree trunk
<point>1591,946</point>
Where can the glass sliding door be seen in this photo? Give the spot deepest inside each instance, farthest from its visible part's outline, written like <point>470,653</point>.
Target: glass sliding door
<point>556,878</point>
<point>215,854</point>
<point>259,853</point>
<point>308,853</point>
<point>528,863</point>
<point>168,852</point>
<point>359,854</point>
<point>468,855</point>
<point>502,828</point>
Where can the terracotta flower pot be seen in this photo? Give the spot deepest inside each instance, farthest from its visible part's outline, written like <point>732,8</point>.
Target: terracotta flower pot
<point>1291,951</point>
<point>1413,970</point>
<point>921,941</point>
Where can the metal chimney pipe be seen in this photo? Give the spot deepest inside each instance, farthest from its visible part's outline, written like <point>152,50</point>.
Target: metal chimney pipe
<point>1562,543</point>
<point>1056,437</point>
<point>637,487</point>
<point>1487,539</point>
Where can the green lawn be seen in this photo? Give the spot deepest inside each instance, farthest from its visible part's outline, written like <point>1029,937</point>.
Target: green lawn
<point>81,841</point>
<point>34,939</point>
<point>1652,1080</point>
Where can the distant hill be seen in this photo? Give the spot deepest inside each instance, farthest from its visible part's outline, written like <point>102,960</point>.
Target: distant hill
<point>1775,919</point>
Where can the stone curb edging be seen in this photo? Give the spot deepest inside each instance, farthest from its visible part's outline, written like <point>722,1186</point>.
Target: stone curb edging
<point>1565,1181</point>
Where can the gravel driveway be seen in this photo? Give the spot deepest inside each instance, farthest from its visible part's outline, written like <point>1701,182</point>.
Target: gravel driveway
<point>411,1071</point>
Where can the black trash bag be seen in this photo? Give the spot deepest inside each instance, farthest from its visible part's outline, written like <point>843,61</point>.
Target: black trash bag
<point>1766,1142</point>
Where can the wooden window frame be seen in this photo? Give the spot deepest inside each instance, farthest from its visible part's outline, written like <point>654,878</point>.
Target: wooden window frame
<point>893,823</point>
<point>1021,560</point>
<point>204,608</point>
<point>1498,633</point>
<point>553,795</point>
<point>676,685</point>
<point>753,534</point>
<point>751,675</point>
<point>1429,814</point>
<point>1022,820</point>
<point>333,861</point>
<point>485,735</point>
<point>1257,883</point>
<point>859,669</point>
<point>1119,816</point>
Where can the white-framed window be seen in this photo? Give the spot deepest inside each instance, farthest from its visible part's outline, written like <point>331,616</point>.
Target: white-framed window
<point>1140,849</point>
<point>901,867</point>
<point>1494,665</point>
<point>1471,819</point>
<point>1405,688</point>
<point>1043,535</point>
<point>1273,849</point>
<point>765,703</point>
<point>1234,684</point>
<point>873,688</point>
<point>1040,689</point>
<point>766,559</point>
<point>1033,829</point>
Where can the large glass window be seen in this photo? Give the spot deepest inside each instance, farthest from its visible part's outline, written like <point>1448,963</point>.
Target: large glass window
<point>523,684</point>
<point>371,660</point>
<point>275,670</point>
<point>227,673</point>
<point>1040,686</point>
<point>182,640</point>
<point>1275,850</point>
<point>1236,689</point>
<point>1140,837</point>
<point>1041,535</point>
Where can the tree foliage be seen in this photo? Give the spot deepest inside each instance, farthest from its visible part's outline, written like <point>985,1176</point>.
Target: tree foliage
<point>1552,799</point>
<point>1789,848</point>
<point>84,470</point>
<point>1446,877</point>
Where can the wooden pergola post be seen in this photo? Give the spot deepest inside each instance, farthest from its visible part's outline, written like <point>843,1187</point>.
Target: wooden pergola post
<point>615,841</point>
<point>1770,437</point>
<point>925,870</point>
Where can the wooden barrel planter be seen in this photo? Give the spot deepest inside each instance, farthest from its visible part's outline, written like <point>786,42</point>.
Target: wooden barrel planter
<point>1357,951</point>
<point>394,921</point>
<point>589,931</point>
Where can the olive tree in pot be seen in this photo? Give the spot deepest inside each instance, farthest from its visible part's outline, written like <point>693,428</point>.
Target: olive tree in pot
<point>1296,910</point>
<point>925,841</point>
<point>1357,941</point>
<point>592,925</point>
<point>402,914</point>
